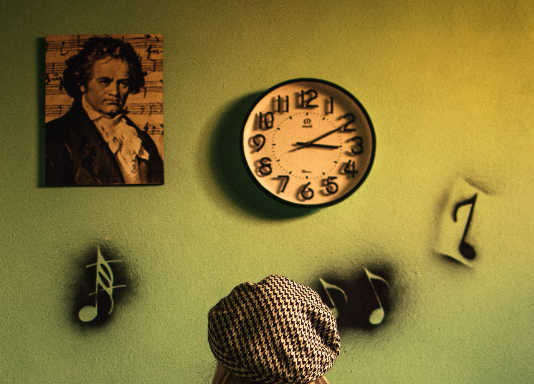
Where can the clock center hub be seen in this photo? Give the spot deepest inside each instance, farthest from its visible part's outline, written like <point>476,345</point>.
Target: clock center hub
<point>299,148</point>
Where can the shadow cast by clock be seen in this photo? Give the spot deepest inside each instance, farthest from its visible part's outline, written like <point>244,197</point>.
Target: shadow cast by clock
<point>229,169</point>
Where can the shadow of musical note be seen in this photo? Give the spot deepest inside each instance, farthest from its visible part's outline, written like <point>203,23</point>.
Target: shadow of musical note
<point>377,316</point>
<point>456,221</point>
<point>103,283</point>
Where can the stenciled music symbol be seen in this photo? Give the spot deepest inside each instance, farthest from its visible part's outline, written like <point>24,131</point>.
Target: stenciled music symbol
<point>328,286</point>
<point>377,316</point>
<point>466,249</point>
<point>103,283</point>
<point>453,237</point>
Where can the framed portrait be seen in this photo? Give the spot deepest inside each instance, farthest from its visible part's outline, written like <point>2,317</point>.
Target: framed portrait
<point>104,110</point>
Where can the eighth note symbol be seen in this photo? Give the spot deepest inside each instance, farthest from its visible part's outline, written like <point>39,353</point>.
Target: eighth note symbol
<point>454,239</point>
<point>377,316</point>
<point>466,249</point>
<point>328,286</point>
<point>103,282</point>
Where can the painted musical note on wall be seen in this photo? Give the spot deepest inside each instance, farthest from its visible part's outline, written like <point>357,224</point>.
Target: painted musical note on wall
<point>361,300</point>
<point>331,302</point>
<point>456,238</point>
<point>377,316</point>
<point>103,283</point>
<point>100,284</point>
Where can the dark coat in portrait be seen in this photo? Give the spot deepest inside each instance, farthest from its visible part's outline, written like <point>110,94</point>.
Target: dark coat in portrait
<point>76,153</point>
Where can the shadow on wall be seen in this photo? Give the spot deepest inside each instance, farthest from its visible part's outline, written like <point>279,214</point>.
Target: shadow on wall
<point>41,50</point>
<point>229,169</point>
<point>362,299</point>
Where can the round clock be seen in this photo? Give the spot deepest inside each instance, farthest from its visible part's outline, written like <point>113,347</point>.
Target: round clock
<point>308,142</point>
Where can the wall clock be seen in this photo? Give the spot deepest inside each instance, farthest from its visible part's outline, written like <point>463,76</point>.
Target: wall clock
<point>308,142</point>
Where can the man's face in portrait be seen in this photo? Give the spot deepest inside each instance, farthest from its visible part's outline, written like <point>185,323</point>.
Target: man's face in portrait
<point>108,88</point>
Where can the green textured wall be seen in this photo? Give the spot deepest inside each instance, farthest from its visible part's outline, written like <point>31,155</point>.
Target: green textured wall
<point>449,87</point>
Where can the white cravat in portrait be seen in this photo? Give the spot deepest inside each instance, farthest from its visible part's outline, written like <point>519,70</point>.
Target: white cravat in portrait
<point>123,141</point>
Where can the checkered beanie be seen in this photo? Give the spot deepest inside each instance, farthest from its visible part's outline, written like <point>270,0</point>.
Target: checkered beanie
<point>276,332</point>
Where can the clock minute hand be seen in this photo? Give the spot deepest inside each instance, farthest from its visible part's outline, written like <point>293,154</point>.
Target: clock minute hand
<point>323,136</point>
<point>309,143</point>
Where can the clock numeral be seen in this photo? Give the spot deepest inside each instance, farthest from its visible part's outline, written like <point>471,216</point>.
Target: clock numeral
<point>350,119</point>
<point>350,168</point>
<point>331,187</point>
<point>283,184</point>
<point>306,192</point>
<point>266,120</point>
<point>282,104</point>
<point>358,146</point>
<point>257,142</point>
<point>312,95</point>
<point>329,106</point>
<point>265,166</point>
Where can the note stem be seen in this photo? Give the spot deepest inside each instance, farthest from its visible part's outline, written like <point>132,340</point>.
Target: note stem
<point>466,249</point>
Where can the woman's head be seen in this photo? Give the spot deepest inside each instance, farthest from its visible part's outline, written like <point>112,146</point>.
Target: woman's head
<point>275,332</point>
<point>224,376</point>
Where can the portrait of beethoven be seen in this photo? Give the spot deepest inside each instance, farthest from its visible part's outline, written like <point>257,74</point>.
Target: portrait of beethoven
<point>99,139</point>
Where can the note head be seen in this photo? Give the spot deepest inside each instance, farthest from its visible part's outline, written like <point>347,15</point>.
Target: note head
<point>88,313</point>
<point>377,316</point>
<point>467,251</point>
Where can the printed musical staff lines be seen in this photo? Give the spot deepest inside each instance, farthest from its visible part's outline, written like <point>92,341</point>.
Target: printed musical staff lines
<point>71,44</point>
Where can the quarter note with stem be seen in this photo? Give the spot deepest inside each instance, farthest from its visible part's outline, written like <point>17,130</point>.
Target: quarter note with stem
<point>328,286</point>
<point>377,316</point>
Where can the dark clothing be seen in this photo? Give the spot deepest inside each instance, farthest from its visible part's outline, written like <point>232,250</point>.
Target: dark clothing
<point>76,153</point>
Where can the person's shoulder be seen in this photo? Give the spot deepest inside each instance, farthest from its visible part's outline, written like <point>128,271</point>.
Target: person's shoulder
<point>65,122</point>
<point>57,127</point>
<point>62,119</point>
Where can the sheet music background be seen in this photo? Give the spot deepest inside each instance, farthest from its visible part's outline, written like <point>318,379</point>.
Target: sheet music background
<point>146,107</point>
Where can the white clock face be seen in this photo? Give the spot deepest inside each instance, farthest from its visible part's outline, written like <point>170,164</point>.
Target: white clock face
<point>308,142</point>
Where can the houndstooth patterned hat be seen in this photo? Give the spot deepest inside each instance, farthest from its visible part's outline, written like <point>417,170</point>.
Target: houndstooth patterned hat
<point>277,332</point>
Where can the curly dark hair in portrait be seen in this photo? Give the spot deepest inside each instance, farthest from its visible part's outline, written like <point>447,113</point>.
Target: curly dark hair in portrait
<point>79,67</point>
